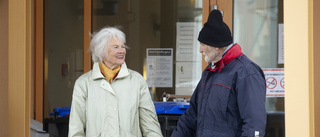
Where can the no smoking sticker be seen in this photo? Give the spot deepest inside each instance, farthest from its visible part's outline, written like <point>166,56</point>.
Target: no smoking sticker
<point>274,81</point>
<point>271,82</point>
<point>282,83</point>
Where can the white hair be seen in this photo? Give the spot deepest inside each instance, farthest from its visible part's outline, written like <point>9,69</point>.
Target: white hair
<point>100,39</point>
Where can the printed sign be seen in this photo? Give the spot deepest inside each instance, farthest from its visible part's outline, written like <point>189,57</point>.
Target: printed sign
<point>188,46</point>
<point>274,81</point>
<point>159,67</point>
<point>280,44</point>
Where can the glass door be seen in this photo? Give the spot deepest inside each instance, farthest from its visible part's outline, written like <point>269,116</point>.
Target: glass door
<point>150,24</point>
<point>63,48</point>
<point>146,23</point>
<point>258,29</point>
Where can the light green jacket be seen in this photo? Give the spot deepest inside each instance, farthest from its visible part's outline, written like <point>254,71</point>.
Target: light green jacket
<point>121,109</point>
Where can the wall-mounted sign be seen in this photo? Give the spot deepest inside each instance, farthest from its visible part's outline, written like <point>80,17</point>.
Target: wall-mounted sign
<point>188,57</point>
<point>274,81</point>
<point>159,67</point>
<point>188,46</point>
<point>280,44</point>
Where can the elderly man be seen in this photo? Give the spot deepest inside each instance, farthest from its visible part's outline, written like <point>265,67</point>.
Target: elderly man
<point>229,100</point>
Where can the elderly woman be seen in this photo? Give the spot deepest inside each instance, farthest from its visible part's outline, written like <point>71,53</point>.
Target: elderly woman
<point>111,100</point>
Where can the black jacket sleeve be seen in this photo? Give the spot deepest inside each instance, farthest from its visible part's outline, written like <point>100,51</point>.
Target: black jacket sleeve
<point>251,100</point>
<point>187,124</point>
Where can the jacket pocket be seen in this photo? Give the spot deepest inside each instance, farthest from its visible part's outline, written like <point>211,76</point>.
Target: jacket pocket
<point>218,102</point>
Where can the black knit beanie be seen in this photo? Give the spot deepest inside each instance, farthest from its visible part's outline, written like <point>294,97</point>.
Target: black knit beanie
<point>215,32</point>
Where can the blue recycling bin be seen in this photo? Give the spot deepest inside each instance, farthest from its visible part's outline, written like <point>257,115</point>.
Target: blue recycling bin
<point>58,123</point>
<point>171,107</point>
<point>61,111</point>
<point>161,108</point>
<point>169,114</point>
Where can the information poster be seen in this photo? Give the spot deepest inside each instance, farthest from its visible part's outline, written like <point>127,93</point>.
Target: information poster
<point>159,67</point>
<point>274,81</point>
<point>188,58</point>
<point>188,75</point>
<point>280,44</point>
<point>188,45</point>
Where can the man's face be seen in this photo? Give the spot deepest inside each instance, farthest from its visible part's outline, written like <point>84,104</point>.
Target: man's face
<point>115,53</point>
<point>211,53</point>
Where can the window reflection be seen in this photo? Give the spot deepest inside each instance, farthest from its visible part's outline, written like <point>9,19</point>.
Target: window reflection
<point>147,24</point>
<point>63,51</point>
<point>256,30</point>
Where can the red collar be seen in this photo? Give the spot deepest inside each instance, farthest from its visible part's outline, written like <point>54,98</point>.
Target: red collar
<point>231,54</point>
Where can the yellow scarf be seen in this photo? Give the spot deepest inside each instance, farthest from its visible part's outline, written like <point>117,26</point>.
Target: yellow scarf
<point>109,74</point>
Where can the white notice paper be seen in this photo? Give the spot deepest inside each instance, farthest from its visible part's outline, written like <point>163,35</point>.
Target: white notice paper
<point>188,45</point>
<point>188,74</point>
<point>280,44</point>
<point>159,67</point>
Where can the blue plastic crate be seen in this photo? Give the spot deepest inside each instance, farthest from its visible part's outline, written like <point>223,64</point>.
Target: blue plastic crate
<point>161,108</point>
<point>61,111</point>
<point>171,107</point>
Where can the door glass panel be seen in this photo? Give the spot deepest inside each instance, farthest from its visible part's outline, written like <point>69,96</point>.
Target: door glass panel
<point>256,30</point>
<point>63,51</point>
<point>148,24</point>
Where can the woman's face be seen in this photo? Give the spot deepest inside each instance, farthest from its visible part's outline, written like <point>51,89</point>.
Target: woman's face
<point>115,53</point>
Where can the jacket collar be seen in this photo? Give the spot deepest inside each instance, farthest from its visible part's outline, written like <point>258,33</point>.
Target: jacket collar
<point>231,54</point>
<point>96,73</point>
